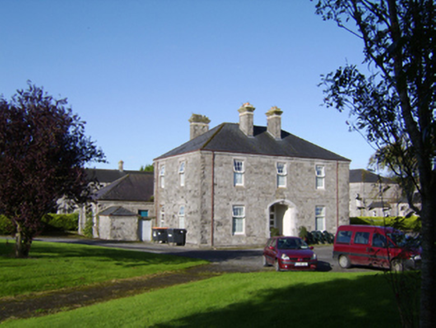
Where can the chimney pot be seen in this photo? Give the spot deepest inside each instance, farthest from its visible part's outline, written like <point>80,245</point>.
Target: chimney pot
<point>274,122</point>
<point>246,119</point>
<point>199,124</point>
<point>121,166</point>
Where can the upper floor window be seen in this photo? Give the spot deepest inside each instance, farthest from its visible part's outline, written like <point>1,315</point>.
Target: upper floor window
<point>162,176</point>
<point>182,173</point>
<point>320,218</point>
<point>238,220</point>
<point>182,217</point>
<point>238,172</point>
<point>281,175</point>
<point>320,176</point>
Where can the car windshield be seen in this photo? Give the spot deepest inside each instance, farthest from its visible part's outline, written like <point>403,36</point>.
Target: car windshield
<point>291,243</point>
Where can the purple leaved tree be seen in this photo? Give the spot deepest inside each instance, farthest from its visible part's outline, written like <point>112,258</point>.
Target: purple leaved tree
<point>43,150</point>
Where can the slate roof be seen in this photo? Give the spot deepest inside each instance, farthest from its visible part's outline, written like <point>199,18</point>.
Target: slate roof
<point>107,176</point>
<point>117,211</point>
<point>227,137</point>
<point>131,187</point>
<point>361,175</point>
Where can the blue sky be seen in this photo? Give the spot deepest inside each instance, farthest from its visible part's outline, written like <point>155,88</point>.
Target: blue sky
<point>136,70</point>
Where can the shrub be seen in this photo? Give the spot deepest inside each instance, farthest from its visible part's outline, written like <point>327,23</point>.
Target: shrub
<point>274,232</point>
<point>409,224</point>
<point>302,233</point>
<point>61,222</point>
<point>6,226</point>
<point>87,231</point>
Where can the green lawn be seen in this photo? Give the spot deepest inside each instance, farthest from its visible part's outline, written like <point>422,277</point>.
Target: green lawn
<point>266,299</point>
<point>53,266</point>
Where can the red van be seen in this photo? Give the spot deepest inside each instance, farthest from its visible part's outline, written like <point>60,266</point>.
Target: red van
<point>382,247</point>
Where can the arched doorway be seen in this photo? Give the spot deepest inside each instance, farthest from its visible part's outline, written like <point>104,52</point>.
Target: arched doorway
<point>282,216</point>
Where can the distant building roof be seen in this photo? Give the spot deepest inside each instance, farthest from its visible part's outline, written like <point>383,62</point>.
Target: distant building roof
<point>227,137</point>
<point>108,176</point>
<point>131,187</point>
<point>361,175</point>
<point>117,211</point>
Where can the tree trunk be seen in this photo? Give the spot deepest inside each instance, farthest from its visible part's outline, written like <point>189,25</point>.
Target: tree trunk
<point>428,281</point>
<point>22,243</point>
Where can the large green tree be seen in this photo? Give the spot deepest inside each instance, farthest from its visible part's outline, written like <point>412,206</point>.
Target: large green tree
<point>43,150</point>
<point>395,103</point>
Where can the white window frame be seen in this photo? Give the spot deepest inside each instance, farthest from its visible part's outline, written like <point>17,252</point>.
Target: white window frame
<point>238,214</point>
<point>182,166</point>
<point>238,172</point>
<point>320,177</point>
<point>162,176</point>
<point>182,217</point>
<point>320,217</point>
<point>281,175</point>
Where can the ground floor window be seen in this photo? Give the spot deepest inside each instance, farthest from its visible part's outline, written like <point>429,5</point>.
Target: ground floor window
<point>238,219</point>
<point>320,218</point>
<point>182,217</point>
<point>162,216</point>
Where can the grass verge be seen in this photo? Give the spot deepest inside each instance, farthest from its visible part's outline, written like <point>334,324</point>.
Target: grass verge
<point>53,266</point>
<point>266,299</point>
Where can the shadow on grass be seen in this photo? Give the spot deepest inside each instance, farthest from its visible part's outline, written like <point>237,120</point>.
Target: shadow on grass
<point>49,250</point>
<point>360,302</point>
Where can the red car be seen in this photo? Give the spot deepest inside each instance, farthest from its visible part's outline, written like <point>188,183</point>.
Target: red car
<point>288,253</point>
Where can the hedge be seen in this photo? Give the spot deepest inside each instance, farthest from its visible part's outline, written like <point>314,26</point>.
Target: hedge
<point>398,222</point>
<point>52,223</point>
<point>6,226</point>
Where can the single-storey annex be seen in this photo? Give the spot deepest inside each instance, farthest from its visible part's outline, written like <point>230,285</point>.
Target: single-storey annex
<point>238,183</point>
<point>122,207</point>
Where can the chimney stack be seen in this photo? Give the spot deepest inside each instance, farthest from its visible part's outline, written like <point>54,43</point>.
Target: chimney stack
<point>199,124</point>
<point>121,166</point>
<point>246,119</point>
<point>274,122</point>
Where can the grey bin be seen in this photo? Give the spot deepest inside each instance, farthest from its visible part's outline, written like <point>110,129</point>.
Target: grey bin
<point>160,235</point>
<point>177,236</point>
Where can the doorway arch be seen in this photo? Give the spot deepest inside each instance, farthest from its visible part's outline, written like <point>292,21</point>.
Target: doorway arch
<point>282,215</point>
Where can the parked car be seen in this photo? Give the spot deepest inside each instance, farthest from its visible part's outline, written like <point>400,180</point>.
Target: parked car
<point>382,247</point>
<point>289,253</point>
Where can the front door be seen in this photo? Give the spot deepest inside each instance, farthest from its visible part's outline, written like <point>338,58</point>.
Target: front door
<point>145,230</point>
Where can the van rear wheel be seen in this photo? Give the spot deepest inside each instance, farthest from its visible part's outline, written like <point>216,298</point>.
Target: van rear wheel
<point>344,261</point>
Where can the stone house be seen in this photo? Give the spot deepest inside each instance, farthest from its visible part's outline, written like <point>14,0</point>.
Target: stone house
<point>122,206</point>
<point>374,195</point>
<point>233,184</point>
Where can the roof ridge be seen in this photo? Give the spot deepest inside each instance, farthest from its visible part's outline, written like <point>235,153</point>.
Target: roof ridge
<point>219,128</point>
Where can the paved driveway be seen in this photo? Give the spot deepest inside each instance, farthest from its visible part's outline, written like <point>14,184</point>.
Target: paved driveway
<point>238,260</point>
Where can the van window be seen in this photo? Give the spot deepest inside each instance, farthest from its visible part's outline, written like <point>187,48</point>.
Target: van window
<point>378,240</point>
<point>361,238</point>
<point>344,237</point>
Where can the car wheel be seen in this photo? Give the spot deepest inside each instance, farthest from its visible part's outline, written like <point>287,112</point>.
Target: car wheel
<point>277,265</point>
<point>397,266</point>
<point>264,261</point>
<point>344,262</point>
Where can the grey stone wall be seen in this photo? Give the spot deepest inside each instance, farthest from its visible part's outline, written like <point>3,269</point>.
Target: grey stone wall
<point>212,225</point>
<point>118,227</point>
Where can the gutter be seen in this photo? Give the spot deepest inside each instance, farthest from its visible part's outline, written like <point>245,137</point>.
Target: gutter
<point>212,222</point>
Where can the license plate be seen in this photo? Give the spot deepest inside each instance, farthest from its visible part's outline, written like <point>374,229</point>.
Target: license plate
<point>301,264</point>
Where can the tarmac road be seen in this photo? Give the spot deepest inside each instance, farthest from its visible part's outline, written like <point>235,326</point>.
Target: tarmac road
<point>238,260</point>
